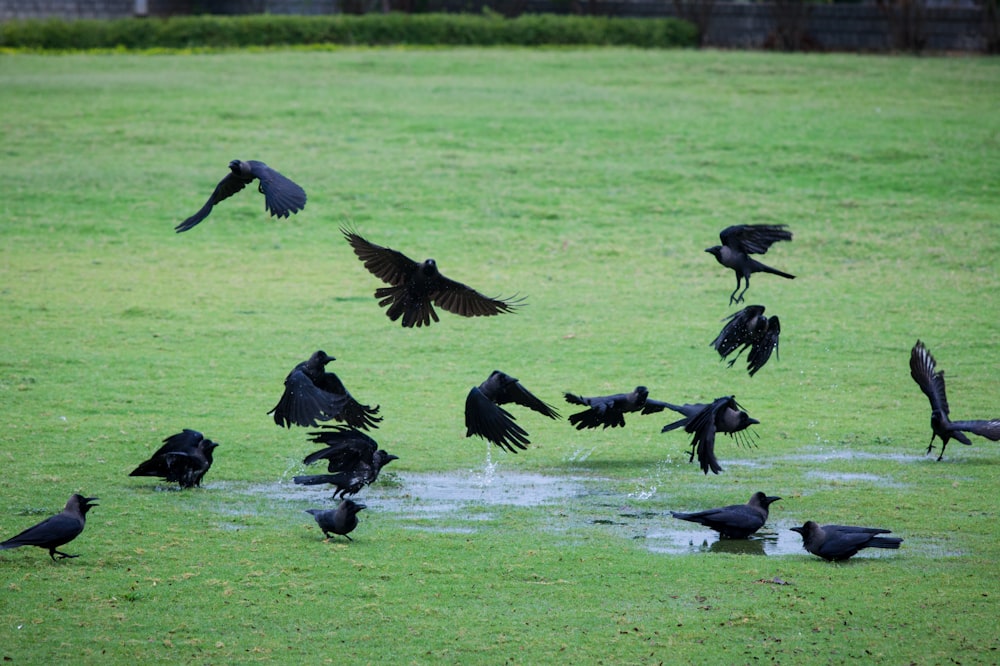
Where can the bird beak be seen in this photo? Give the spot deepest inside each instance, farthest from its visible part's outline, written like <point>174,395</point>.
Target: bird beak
<point>772,498</point>
<point>800,530</point>
<point>361,506</point>
<point>89,500</point>
<point>391,457</point>
<point>752,421</point>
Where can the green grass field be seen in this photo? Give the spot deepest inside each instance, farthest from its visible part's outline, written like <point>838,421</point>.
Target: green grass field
<point>589,181</point>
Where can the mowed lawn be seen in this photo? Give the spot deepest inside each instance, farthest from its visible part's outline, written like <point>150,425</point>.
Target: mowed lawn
<point>587,181</point>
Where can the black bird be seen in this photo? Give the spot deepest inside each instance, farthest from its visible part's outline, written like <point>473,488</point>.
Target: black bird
<point>56,530</point>
<point>415,286</point>
<point>184,458</point>
<point>840,542</point>
<point>749,328</point>
<point>485,417</point>
<point>353,458</point>
<point>281,195</point>
<point>931,382</point>
<point>737,521</point>
<point>741,240</point>
<point>609,410</point>
<point>341,520</point>
<point>312,395</point>
<point>703,421</point>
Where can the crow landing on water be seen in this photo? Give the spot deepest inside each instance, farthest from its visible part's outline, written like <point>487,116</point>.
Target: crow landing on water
<point>184,458</point>
<point>281,195</point>
<point>836,543</point>
<point>415,286</point>
<point>736,521</point>
<point>609,411</point>
<point>312,395</point>
<point>353,458</point>
<point>341,520</point>
<point>923,369</point>
<point>56,530</point>
<point>739,242</point>
<point>749,328</point>
<point>485,417</point>
<point>703,421</point>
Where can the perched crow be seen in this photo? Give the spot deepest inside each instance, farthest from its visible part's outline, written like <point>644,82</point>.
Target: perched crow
<point>353,458</point>
<point>415,286</point>
<point>312,394</point>
<point>56,530</point>
<point>703,421</point>
<point>609,410</point>
<point>281,195</point>
<point>184,458</point>
<point>484,417</point>
<point>737,521</point>
<point>840,542</point>
<point>931,382</point>
<point>741,240</point>
<point>749,328</point>
<point>341,520</point>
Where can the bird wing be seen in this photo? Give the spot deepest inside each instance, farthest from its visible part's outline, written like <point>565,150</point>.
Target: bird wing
<point>57,530</point>
<point>282,196</point>
<point>754,238</point>
<point>737,332</point>
<point>761,350</point>
<point>386,264</point>
<point>702,427</point>
<point>516,393</point>
<point>654,406</point>
<point>346,447</point>
<point>930,381</point>
<point>496,425</point>
<point>463,300</point>
<point>226,188</point>
<point>988,429</point>
<point>304,404</point>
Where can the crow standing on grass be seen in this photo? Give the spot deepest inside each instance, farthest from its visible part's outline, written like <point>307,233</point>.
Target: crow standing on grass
<point>184,458</point>
<point>923,369</point>
<point>749,328</point>
<point>56,530</point>
<point>737,521</point>
<point>836,543</point>
<point>739,242</point>
<point>341,520</point>
<point>281,196</point>
<point>485,417</point>
<point>353,458</point>
<point>414,288</point>
<point>609,411</point>
<point>312,394</point>
<point>703,421</point>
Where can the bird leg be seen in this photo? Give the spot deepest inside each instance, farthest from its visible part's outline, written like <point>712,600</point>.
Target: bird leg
<point>732,296</point>
<point>62,556</point>
<point>930,447</point>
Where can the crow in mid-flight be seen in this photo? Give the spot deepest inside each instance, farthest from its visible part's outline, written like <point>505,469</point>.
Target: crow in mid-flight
<point>749,328</point>
<point>923,369</point>
<point>312,394</point>
<point>56,530</point>
<point>739,242</point>
<point>703,421</point>
<point>736,521</point>
<point>281,196</point>
<point>353,458</point>
<point>485,417</point>
<point>184,458</point>
<point>836,543</point>
<point>414,287</point>
<point>609,410</point>
<point>341,520</point>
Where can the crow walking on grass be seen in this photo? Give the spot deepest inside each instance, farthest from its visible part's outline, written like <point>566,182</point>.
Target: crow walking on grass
<point>353,458</point>
<point>703,421</point>
<point>923,369</point>
<point>485,417</point>
<point>56,530</point>
<point>341,520</point>
<point>749,328</point>
<point>736,521</point>
<point>415,288</point>
<point>281,196</point>
<point>739,242</point>
<point>312,394</point>
<point>184,458</point>
<point>841,542</point>
<point>608,411</point>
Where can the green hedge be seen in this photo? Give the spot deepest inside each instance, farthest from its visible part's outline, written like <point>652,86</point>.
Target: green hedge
<point>370,29</point>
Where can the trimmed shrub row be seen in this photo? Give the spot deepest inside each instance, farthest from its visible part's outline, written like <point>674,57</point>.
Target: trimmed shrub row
<point>369,29</point>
